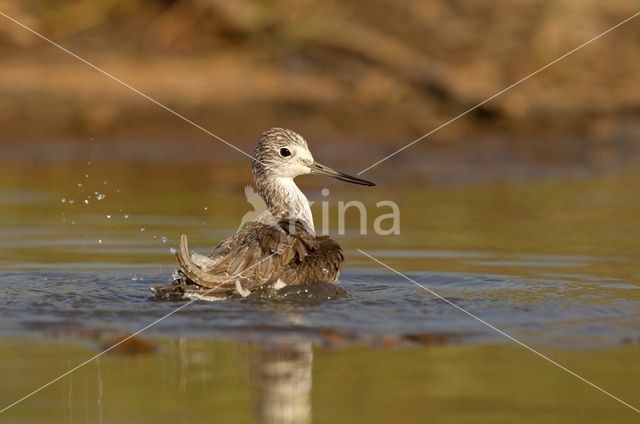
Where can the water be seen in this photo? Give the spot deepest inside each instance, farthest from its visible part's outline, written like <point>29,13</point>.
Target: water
<point>554,263</point>
<point>379,308</point>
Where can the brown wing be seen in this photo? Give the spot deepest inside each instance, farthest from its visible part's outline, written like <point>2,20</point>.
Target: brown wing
<point>257,255</point>
<point>321,265</point>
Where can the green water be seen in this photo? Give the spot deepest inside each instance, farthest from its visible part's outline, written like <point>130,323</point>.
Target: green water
<point>195,380</point>
<point>553,262</point>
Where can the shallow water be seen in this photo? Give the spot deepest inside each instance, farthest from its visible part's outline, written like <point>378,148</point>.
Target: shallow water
<point>380,308</point>
<point>554,263</point>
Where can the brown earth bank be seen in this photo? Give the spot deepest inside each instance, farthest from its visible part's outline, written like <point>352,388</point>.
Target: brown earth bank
<point>381,73</point>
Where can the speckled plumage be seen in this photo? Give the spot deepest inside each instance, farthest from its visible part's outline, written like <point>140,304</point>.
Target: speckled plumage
<point>278,248</point>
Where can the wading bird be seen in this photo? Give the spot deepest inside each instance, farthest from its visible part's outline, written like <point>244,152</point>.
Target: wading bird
<point>276,249</point>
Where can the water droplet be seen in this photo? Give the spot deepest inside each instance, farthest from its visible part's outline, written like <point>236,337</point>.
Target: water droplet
<point>108,216</point>
<point>324,192</point>
<point>143,229</point>
<point>172,251</point>
<point>89,163</point>
<point>206,208</point>
<point>86,175</point>
<point>126,216</point>
<point>63,200</point>
<point>164,239</point>
<point>71,201</point>
<point>99,241</point>
<point>86,201</point>
<point>100,196</point>
<point>79,184</point>
<point>73,222</point>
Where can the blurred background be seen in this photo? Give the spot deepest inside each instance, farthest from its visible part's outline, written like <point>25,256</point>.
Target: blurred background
<point>377,74</point>
<point>524,212</point>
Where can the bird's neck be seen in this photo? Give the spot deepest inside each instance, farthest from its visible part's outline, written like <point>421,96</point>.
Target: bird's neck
<point>285,200</point>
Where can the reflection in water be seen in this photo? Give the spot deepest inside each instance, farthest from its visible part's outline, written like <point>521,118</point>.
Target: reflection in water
<point>282,380</point>
<point>146,388</point>
<point>100,390</point>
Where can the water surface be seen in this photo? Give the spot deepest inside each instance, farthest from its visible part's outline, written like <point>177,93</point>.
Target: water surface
<point>552,262</point>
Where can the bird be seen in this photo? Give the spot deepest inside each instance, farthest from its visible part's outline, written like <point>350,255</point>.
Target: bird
<point>277,248</point>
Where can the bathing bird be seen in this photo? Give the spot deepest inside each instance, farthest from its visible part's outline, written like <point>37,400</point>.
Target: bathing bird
<point>277,248</point>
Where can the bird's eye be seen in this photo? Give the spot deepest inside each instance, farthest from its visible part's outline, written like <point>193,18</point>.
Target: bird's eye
<point>285,152</point>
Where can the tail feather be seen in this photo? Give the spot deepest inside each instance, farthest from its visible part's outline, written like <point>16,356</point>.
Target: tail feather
<point>217,283</point>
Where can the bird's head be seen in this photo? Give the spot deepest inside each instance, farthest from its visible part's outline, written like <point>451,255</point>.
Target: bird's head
<point>282,153</point>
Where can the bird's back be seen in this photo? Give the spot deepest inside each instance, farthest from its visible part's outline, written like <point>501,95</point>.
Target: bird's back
<point>285,252</point>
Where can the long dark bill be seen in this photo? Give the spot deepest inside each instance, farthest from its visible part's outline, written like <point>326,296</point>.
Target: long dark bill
<point>320,169</point>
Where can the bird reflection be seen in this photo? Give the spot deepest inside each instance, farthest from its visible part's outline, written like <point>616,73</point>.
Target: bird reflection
<point>282,380</point>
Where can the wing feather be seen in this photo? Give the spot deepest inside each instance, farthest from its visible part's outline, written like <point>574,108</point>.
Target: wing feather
<point>257,255</point>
